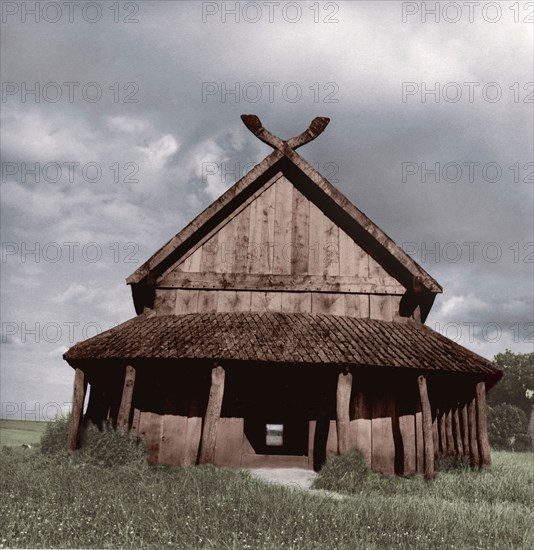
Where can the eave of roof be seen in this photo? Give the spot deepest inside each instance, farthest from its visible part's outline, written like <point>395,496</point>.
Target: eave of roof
<point>282,338</point>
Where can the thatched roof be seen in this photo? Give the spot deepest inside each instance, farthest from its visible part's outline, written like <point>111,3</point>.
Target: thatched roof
<point>282,338</point>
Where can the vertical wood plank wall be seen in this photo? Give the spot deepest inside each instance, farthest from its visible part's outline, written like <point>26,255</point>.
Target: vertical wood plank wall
<point>282,232</point>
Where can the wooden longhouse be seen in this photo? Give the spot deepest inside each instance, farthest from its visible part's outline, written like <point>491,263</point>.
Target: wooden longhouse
<point>282,326</point>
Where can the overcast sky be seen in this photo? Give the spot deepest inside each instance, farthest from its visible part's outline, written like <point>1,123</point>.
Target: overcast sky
<point>136,102</point>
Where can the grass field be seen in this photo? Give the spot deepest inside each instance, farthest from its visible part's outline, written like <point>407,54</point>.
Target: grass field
<point>17,432</point>
<point>59,502</point>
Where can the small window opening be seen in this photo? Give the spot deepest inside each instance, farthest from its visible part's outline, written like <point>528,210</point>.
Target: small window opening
<point>274,435</point>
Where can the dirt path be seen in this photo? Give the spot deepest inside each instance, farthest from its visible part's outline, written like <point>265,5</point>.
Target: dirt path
<point>290,477</point>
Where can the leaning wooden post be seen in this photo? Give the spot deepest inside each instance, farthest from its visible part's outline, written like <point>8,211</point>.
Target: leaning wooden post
<point>123,418</point>
<point>344,387</point>
<point>78,398</point>
<point>457,431</point>
<point>448,429</point>
<point>465,428</point>
<point>428,440</point>
<point>211,419</point>
<point>482,425</point>
<point>472,421</point>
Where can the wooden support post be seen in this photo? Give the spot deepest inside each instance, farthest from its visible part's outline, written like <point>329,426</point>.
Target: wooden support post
<point>465,428</point>
<point>427,428</point>
<point>457,432</point>
<point>78,398</point>
<point>442,431</point>
<point>211,419</point>
<point>344,387</point>
<point>472,421</point>
<point>123,418</point>
<point>448,428</point>
<point>435,434</point>
<point>482,425</point>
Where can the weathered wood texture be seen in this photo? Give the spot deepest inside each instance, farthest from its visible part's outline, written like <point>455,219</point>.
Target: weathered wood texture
<point>482,425</point>
<point>419,440</point>
<point>78,397</point>
<point>229,442</point>
<point>205,301</point>
<point>382,441</point>
<point>427,428</point>
<point>472,421</point>
<point>360,423</point>
<point>457,430</point>
<point>407,430</point>
<point>344,388</point>
<point>211,419</point>
<point>125,408</point>
<point>279,240</point>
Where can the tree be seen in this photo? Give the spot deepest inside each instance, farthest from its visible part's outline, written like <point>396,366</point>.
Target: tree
<point>508,425</point>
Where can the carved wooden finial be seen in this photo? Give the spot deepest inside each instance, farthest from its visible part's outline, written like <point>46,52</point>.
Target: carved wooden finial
<point>253,123</point>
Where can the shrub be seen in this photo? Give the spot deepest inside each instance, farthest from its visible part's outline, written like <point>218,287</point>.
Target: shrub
<point>54,439</point>
<point>507,427</point>
<point>343,473</point>
<point>109,447</point>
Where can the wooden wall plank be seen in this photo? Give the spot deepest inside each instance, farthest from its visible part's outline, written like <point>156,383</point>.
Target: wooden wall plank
<point>165,301</point>
<point>192,439</point>
<point>173,439</point>
<point>229,442</point>
<point>242,230</point>
<point>261,233</point>
<point>316,258</point>
<point>207,301</point>
<point>227,248</point>
<point>151,426</point>
<point>331,442</point>
<point>300,233</point>
<point>192,263</point>
<point>210,254</point>
<point>384,307</point>
<point>296,302</point>
<point>361,432</point>
<point>407,431</point>
<point>233,301</point>
<point>283,224</point>
<point>328,303</point>
<point>186,301</point>
<point>357,305</point>
<point>382,442</point>
<point>266,301</point>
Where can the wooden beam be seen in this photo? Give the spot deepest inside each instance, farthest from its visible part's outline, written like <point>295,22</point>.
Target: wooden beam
<point>448,428</point>
<point>123,417</point>
<point>457,430</point>
<point>427,428</point>
<point>482,425</point>
<point>465,427</point>
<point>211,418</point>
<point>78,398</point>
<point>472,421</point>
<point>344,387</point>
<point>277,282</point>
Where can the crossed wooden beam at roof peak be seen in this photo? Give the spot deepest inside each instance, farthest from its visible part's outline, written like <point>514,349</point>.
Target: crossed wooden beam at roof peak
<point>317,126</point>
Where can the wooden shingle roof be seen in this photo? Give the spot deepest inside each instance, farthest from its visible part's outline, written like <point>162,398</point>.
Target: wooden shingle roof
<point>282,338</point>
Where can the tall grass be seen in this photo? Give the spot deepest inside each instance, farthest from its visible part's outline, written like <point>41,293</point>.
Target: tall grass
<point>58,502</point>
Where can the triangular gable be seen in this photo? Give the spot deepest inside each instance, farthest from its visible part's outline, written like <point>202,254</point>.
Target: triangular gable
<point>244,194</point>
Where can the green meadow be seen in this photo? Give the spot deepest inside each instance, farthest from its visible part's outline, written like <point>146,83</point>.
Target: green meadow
<point>59,501</point>
<point>18,432</point>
